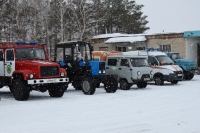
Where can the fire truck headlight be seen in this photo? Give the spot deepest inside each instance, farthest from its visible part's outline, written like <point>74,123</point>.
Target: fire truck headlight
<point>62,74</point>
<point>31,76</point>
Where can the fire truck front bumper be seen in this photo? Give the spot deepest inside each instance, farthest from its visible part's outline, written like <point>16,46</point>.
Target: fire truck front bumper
<point>48,81</point>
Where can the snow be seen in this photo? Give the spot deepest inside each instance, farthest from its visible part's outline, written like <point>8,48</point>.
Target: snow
<point>155,109</point>
<point>126,39</point>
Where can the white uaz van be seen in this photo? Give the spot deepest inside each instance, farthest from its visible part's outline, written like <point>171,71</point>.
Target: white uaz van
<point>163,67</point>
<point>129,70</point>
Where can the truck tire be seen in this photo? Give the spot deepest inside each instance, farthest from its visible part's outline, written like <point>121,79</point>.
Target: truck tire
<point>57,90</point>
<point>159,80</point>
<point>141,84</point>
<point>20,89</point>
<point>88,85</point>
<point>189,76</point>
<point>124,85</point>
<point>111,85</point>
<point>174,81</point>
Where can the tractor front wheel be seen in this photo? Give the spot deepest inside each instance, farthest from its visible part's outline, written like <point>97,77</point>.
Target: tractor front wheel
<point>88,85</point>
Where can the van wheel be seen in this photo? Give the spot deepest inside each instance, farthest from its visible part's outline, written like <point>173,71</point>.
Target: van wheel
<point>111,85</point>
<point>174,81</point>
<point>57,90</point>
<point>88,86</point>
<point>159,80</point>
<point>142,84</point>
<point>124,85</point>
<point>20,89</point>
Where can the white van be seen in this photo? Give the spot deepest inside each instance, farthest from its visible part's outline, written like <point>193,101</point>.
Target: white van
<point>129,70</point>
<point>163,67</point>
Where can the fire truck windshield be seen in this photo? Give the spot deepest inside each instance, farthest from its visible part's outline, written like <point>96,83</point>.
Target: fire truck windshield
<point>30,54</point>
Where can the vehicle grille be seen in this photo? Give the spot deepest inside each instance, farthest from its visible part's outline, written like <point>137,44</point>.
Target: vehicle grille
<point>178,74</point>
<point>49,71</point>
<point>145,76</point>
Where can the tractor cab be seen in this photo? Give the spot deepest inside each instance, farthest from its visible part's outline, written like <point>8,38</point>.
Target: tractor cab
<point>70,52</point>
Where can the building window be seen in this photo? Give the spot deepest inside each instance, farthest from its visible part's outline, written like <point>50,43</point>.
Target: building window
<point>165,47</point>
<point>121,48</point>
<point>103,48</point>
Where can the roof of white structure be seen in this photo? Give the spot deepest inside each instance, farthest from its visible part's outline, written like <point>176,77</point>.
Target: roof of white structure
<point>114,35</point>
<point>130,39</point>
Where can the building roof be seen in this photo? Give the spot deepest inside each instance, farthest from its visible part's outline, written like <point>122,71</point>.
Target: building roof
<point>130,39</point>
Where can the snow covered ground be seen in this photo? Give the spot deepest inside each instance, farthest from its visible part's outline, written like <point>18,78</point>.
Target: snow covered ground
<point>155,109</point>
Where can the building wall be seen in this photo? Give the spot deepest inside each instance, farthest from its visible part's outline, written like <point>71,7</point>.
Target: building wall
<point>177,44</point>
<point>191,48</point>
<point>176,40</point>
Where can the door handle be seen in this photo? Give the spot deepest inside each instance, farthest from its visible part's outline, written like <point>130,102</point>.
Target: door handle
<point>107,67</point>
<point>7,63</point>
<point>119,68</point>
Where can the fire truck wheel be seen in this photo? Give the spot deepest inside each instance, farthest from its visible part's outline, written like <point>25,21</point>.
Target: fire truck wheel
<point>111,85</point>
<point>20,89</point>
<point>11,88</point>
<point>141,84</point>
<point>57,90</point>
<point>88,85</point>
<point>124,85</point>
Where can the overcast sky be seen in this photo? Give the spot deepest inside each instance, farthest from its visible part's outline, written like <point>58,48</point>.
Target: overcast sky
<point>171,15</point>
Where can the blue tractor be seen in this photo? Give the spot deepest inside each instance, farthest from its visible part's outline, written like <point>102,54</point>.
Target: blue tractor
<point>189,66</point>
<point>83,72</point>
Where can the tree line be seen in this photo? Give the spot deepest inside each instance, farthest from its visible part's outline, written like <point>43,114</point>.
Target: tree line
<point>53,21</point>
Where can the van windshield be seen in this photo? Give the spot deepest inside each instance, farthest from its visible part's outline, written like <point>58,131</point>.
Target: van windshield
<point>139,62</point>
<point>164,60</point>
<point>30,54</point>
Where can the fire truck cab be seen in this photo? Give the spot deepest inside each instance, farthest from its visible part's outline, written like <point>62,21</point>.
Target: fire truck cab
<point>26,66</point>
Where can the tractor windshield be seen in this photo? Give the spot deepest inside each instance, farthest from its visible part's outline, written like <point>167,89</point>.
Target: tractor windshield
<point>139,62</point>
<point>164,60</point>
<point>30,54</point>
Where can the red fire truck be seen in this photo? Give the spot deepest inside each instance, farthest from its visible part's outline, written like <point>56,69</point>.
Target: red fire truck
<point>26,66</point>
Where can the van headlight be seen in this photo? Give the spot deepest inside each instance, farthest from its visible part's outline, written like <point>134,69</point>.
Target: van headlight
<point>138,73</point>
<point>151,72</point>
<point>62,74</point>
<point>30,76</point>
<point>170,71</point>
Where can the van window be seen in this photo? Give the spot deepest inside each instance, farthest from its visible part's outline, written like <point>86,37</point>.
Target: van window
<point>152,60</point>
<point>124,62</point>
<point>112,62</point>
<point>1,55</point>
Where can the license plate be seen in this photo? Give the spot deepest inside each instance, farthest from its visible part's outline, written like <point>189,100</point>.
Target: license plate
<point>50,80</point>
<point>146,78</point>
<point>179,74</point>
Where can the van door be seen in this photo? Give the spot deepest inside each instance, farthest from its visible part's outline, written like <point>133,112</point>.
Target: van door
<point>1,63</point>
<point>9,62</point>
<point>124,69</point>
<point>111,67</point>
